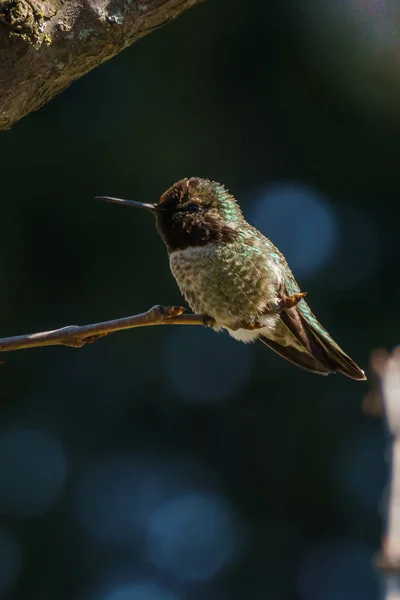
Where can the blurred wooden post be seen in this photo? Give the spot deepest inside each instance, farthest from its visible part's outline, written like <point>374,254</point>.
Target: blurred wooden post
<point>388,368</point>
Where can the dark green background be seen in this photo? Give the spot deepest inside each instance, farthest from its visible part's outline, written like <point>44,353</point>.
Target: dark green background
<point>249,94</point>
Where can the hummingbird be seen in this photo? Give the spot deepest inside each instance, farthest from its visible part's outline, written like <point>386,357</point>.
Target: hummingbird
<point>232,274</point>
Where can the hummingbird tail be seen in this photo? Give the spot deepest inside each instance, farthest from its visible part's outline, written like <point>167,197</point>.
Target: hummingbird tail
<point>295,356</point>
<point>304,342</point>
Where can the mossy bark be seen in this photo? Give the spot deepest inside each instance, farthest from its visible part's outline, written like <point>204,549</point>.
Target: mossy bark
<point>45,45</point>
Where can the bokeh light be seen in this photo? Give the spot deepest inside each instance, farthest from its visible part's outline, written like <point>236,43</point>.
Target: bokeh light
<point>33,471</point>
<point>192,536</point>
<point>10,562</point>
<point>139,591</point>
<point>300,221</point>
<point>115,497</point>
<point>204,367</point>
<point>336,569</point>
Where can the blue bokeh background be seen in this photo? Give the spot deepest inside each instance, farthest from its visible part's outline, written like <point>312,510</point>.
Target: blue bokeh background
<point>175,463</point>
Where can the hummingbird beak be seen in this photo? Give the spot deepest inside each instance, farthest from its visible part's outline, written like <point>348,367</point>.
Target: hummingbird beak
<point>150,207</point>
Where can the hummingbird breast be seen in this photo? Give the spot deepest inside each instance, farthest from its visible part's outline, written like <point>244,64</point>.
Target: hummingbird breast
<point>232,283</point>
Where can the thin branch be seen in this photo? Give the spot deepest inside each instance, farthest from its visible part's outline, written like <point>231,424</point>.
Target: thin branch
<point>387,367</point>
<point>77,336</point>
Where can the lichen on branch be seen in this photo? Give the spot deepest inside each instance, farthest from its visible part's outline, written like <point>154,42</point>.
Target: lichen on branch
<point>46,45</point>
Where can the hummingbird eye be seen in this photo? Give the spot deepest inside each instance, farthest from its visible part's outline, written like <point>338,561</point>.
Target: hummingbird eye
<point>193,208</point>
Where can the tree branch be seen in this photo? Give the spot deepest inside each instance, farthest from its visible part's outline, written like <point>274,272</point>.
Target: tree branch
<point>77,336</point>
<point>47,44</point>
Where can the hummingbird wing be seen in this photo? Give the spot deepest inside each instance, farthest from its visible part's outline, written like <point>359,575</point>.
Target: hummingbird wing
<point>302,340</point>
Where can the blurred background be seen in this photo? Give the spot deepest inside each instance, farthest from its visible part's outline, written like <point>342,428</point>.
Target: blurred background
<point>175,463</point>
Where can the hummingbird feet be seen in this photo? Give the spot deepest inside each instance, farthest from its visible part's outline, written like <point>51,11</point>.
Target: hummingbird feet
<point>168,312</point>
<point>163,313</point>
<point>252,325</point>
<point>248,325</point>
<point>290,301</point>
<point>276,305</point>
<point>279,304</point>
<point>208,321</point>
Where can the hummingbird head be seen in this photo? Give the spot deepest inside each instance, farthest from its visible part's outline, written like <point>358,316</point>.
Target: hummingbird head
<point>193,212</point>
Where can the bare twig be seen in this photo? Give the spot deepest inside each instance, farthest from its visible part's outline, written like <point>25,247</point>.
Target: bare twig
<point>388,369</point>
<point>77,336</point>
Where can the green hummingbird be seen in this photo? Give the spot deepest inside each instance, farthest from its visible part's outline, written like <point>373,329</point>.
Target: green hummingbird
<point>230,272</point>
